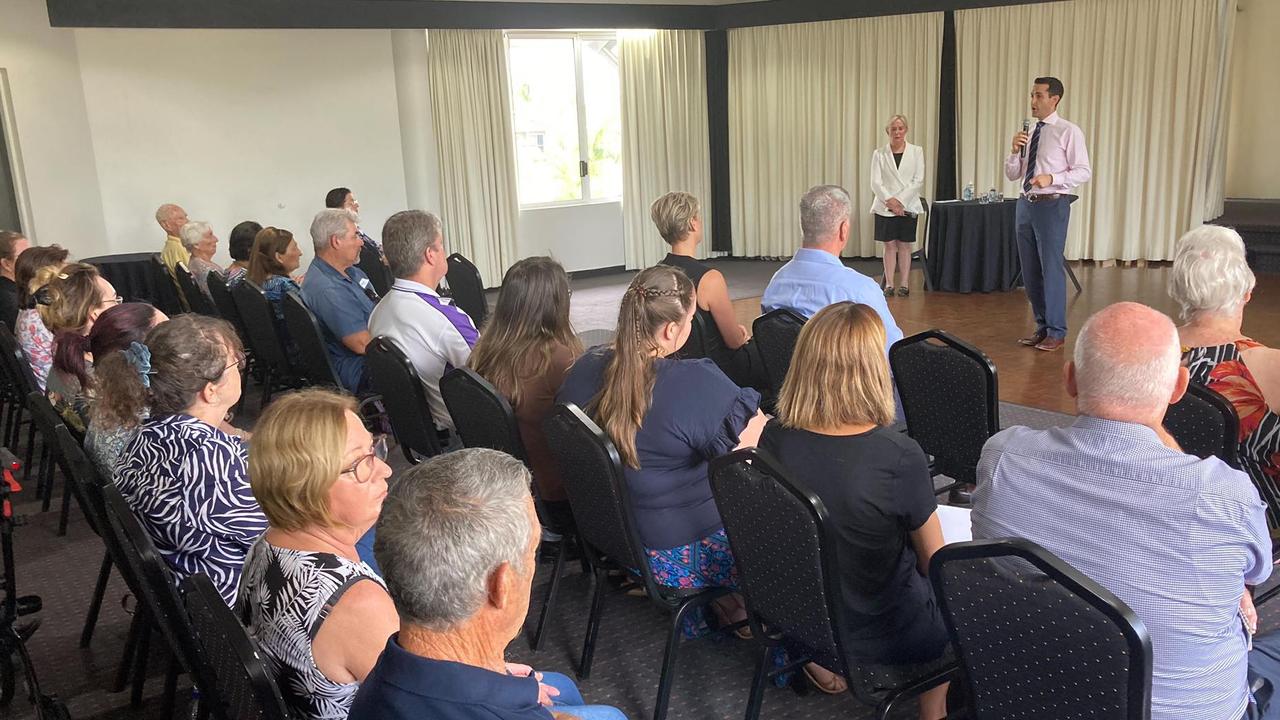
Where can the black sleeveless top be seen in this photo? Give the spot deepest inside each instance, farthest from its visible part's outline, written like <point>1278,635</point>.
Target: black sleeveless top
<point>713,341</point>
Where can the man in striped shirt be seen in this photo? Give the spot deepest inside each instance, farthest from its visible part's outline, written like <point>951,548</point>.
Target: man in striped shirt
<point>1175,537</point>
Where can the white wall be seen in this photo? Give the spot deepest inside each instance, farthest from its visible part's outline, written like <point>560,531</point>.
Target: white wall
<point>581,237</point>
<point>240,124</point>
<point>52,128</point>
<point>1253,154</point>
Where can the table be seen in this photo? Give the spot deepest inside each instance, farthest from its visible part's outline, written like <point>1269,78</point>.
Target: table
<point>972,246</point>
<point>134,277</point>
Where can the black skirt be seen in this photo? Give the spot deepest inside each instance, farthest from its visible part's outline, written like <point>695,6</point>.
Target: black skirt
<point>895,228</point>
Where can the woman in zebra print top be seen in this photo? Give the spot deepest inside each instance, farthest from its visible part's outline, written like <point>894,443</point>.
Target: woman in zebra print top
<point>185,474</point>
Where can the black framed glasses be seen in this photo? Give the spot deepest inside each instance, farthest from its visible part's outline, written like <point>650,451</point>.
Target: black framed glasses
<point>239,363</point>
<point>363,468</point>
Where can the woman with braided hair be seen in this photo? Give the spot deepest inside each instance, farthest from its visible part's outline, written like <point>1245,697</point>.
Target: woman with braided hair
<point>668,418</point>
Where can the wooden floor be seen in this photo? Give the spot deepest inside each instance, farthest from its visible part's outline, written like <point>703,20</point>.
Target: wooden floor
<point>993,322</point>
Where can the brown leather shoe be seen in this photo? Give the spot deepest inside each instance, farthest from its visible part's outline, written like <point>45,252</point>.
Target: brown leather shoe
<point>1034,339</point>
<point>1050,344</point>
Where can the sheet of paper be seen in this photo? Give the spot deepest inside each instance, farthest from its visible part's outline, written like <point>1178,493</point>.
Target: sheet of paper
<point>956,526</point>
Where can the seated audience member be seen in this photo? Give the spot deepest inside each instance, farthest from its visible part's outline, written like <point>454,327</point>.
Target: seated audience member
<point>171,218</point>
<point>71,302</point>
<point>456,540</point>
<point>668,419</point>
<point>341,198</point>
<point>340,294</point>
<point>71,386</point>
<point>274,256</point>
<point>320,615</point>
<point>678,217</point>
<point>432,331</point>
<point>527,347</point>
<point>815,278</point>
<point>12,245</point>
<point>184,472</point>
<point>240,246</point>
<point>36,267</point>
<point>1175,537</point>
<point>201,244</point>
<point>833,433</point>
<point>1212,282</point>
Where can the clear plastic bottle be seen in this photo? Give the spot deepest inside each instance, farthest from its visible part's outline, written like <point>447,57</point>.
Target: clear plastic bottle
<point>968,192</point>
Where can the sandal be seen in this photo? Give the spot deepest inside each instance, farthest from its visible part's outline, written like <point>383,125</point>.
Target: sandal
<point>837,686</point>
<point>888,291</point>
<point>903,292</point>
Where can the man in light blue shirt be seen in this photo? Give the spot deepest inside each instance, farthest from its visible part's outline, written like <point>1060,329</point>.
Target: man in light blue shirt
<point>1175,537</point>
<point>815,277</point>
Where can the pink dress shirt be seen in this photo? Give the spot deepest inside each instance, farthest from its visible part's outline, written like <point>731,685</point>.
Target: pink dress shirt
<point>1061,153</point>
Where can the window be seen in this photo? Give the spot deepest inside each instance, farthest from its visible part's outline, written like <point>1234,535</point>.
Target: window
<point>567,116</point>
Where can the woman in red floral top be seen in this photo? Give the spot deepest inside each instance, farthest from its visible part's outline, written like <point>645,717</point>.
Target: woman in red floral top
<point>1213,283</point>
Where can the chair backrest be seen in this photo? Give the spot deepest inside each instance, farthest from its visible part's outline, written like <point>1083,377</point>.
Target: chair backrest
<point>395,379</point>
<point>467,289</point>
<point>1036,638</point>
<point>775,334</point>
<point>156,584</point>
<point>304,330</point>
<point>196,299</point>
<point>244,686</point>
<point>591,471</point>
<point>777,529</point>
<point>166,295</point>
<point>225,304</point>
<point>62,448</point>
<point>260,326</point>
<point>373,266</point>
<point>481,415</point>
<point>1204,423</point>
<point>14,366</point>
<point>950,397</point>
<point>696,345</point>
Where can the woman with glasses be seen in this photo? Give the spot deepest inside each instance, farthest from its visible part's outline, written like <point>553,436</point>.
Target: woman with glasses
<point>185,473</point>
<point>70,303</point>
<point>320,614</point>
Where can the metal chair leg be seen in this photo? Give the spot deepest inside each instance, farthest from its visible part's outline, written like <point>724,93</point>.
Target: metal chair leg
<point>552,587</point>
<point>141,654</point>
<point>756,696</point>
<point>46,478</point>
<point>170,701</point>
<point>669,657</point>
<point>31,443</point>
<point>65,515</point>
<point>95,603</point>
<point>593,625</point>
<point>1071,274</point>
<point>124,671</point>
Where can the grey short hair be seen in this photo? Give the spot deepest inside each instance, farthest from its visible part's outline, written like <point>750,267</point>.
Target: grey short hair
<point>445,526</point>
<point>1110,370</point>
<point>822,209</point>
<point>193,232</point>
<point>330,222</point>
<point>405,239</point>
<point>1210,272</point>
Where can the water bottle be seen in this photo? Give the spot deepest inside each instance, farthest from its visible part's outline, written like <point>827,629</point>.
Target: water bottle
<point>968,192</point>
<point>991,196</point>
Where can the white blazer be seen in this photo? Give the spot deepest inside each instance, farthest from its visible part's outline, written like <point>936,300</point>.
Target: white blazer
<point>904,182</point>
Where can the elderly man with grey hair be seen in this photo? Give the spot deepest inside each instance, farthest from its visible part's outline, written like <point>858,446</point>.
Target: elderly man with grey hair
<point>1175,537</point>
<point>171,218</point>
<point>200,242</point>
<point>456,542</point>
<point>433,332</point>
<point>815,277</point>
<point>340,294</point>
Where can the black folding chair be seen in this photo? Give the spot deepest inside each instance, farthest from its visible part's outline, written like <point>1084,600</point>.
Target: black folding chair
<point>404,399</point>
<point>372,264</point>
<point>226,305</point>
<point>305,332</point>
<point>19,383</point>
<point>775,334</point>
<point>48,422</point>
<point>696,346</point>
<point>196,299</point>
<point>785,550</point>
<point>951,399</point>
<point>167,297</point>
<point>1204,423</point>
<point>243,686</point>
<point>263,334</point>
<point>593,479</point>
<point>1036,638</point>
<point>467,289</point>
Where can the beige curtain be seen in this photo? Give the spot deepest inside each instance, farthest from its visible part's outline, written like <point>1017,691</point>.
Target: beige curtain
<point>1145,80</point>
<point>808,104</point>
<point>664,133</point>
<point>471,107</point>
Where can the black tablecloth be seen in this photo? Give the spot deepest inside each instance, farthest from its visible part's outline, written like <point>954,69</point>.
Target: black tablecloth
<point>130,273</point>
<point>972,247</point>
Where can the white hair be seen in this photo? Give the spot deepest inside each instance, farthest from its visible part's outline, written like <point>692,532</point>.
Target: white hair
<point>330,222</point>
<point>193,232</point>
<point>1112,372</point>
<point>903,118</point>
<point>822,209</point>
<point>1210,273</point>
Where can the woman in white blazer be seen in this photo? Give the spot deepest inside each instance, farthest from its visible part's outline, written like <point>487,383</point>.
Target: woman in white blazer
<point>897,179</point>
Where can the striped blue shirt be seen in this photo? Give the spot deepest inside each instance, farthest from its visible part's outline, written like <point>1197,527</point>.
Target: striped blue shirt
<point>1173,536</point>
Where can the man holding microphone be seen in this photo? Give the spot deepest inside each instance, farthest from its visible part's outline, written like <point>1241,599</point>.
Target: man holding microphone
<point>1049,161</point>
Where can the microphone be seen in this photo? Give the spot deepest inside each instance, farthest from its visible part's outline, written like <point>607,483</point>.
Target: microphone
<point>1026,128</point>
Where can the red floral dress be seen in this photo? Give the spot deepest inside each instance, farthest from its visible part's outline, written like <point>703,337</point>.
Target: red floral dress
<point>1221,369</point>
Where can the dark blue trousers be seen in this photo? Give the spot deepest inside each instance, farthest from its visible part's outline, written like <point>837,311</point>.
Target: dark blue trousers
<point>1264,671</point>
<point>1042,238</point>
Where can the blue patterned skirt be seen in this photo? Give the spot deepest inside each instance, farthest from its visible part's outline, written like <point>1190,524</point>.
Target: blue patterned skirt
<point>705,563</point>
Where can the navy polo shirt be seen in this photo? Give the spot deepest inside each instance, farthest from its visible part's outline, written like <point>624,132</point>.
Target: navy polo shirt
<point>404,686</point>
<point>340,304</point>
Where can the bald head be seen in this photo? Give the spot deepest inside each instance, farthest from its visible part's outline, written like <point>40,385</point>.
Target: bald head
<point>171,217</point>
<point>1127,364</point>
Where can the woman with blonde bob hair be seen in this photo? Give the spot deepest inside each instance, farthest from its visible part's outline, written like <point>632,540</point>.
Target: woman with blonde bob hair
<point>320,614</point>
<point>1212,282</point>
<point>833,433</point>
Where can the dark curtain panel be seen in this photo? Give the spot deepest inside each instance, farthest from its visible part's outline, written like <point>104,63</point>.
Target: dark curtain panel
<point>717,44</point>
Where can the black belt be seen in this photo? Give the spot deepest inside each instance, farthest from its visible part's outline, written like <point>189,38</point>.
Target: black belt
<point>1042,197</point>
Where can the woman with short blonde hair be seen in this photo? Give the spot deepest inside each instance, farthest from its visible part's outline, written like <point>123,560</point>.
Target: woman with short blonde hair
<point>319,612</point>
<point>833,432</point>
<point>897,182</point>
